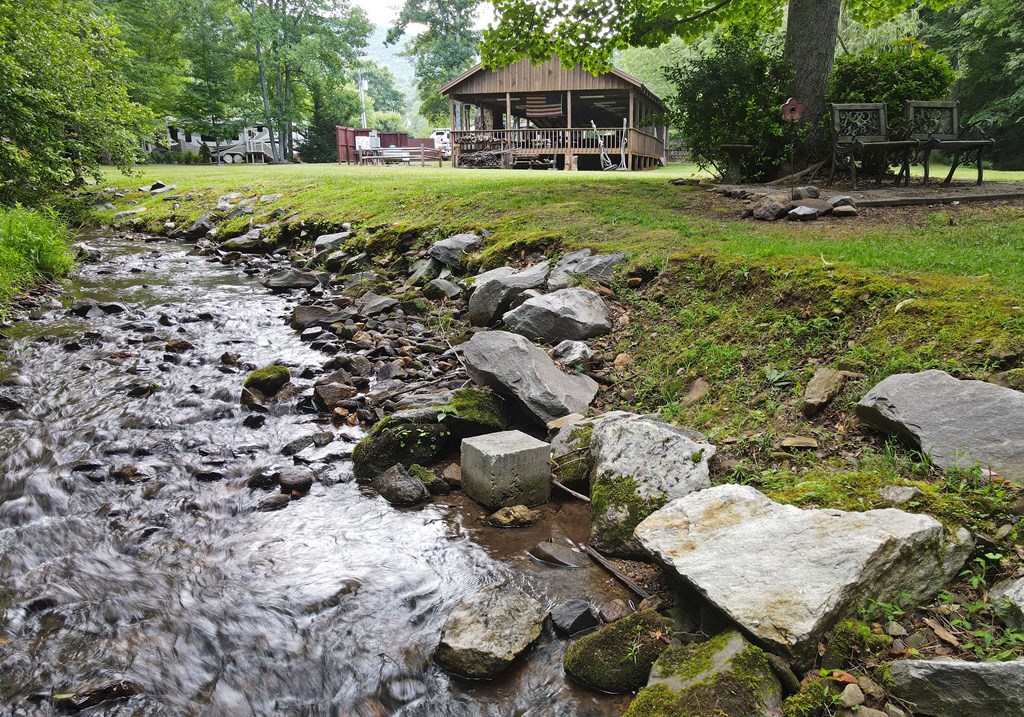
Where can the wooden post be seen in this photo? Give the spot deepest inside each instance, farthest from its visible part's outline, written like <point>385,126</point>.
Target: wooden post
<point>568,130</point>
<point>508,131</point>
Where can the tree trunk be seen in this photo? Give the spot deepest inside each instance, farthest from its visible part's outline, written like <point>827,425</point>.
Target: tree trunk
<point>811,31</point>
<point>266,99</point>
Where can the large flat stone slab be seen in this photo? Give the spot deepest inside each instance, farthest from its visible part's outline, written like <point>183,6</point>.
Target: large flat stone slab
<point>956,423</point>
<point>786,575</point>
<point>514,367</point>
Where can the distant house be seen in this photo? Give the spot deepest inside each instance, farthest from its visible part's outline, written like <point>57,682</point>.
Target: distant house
<point>546,116</point>
<point>250,145</point>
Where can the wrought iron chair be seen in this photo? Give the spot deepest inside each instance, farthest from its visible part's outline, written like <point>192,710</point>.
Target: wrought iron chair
<point>936,125</point>
<point>862,128</point>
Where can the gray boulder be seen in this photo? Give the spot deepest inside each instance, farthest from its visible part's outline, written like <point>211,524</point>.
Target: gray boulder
<point>495,290</point>
<point>786,575</point>
<point>489,630</point>
<point>956,423</point>
<point>946,687</point>
<point>327,243</point>
<point>288,279</point>
<point>399,488</point>
<point>370,304</point>
<point>248,243</point>
<point>514,367</point>
<point>453,250</point>
<point>572,353</point>
<point>441,289</point>
<point>639,463</point>
<point>726,671</point>
<point>573,314</point>
<point>596,267</point>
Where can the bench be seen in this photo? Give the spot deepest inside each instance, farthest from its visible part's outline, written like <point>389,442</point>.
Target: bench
<point>400,155</point>
<point>936,125</point>
<point>860,129</point>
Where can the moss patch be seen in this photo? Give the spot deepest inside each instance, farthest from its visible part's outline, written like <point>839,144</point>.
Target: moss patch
<point>618,657</point>
<point>474,410</point>
<point>390,442</point>
<point>616,510</point>
<point>710,683</point>
<point>852,639</point>
<point>573,468</point>
<point>268,380</point>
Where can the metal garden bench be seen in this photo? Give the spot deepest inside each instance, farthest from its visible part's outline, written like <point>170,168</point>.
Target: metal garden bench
<point>936,126</point>
<point>860,129</point>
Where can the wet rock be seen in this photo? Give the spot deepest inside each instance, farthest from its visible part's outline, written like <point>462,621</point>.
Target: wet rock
<point>328,396</point>
<point>416,435</point>
<point>199,228</point>
<point>514,516</point>
<point>399,488</point>
<point>289,279</point>
<point>248,243</point>
<point>946,687</point>
<point>297,445</point>
<point>956,423</point>
<point>572,616</point>
<point>273,502</point>
<point>304,316</point>
<point>614,610</point>
<point>254,420</point>
<point>268,380</point>
<point>514,367</point>
<point>583,264</point>
<point>295,480</point>
<point>824,386</point>
<point>91,695</point>
<point>353,363</point>
<point>618,657</point>
<point>435,485</point>
<point>453,250</point>
<point>178,346</point>
<point>573,314</point>
<point>572,353</point>
<point>559,554</point>
<point>488,631</point>
<point>802,570</point>
<point>262,479</point>
<point>726,671</point>
<point>505,469</point>
<point>494,291</point>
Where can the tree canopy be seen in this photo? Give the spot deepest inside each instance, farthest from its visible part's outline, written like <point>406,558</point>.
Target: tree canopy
<point>64,106</point>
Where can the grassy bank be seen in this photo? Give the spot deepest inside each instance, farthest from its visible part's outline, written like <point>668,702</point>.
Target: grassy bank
<point>751,308</point>
<point>33,247</point>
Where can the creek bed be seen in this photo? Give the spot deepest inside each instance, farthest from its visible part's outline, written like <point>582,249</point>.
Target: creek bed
<point>130,547</point>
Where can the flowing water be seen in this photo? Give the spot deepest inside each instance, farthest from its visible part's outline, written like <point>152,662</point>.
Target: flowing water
<point>130,547</point>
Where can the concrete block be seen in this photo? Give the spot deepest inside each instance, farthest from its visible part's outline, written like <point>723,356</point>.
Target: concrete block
<point>507,468</point>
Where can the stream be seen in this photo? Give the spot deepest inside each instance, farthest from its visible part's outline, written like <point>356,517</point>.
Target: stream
<point>130,547</point>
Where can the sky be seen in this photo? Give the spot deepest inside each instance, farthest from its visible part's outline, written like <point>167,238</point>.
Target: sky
<point>383,12</point>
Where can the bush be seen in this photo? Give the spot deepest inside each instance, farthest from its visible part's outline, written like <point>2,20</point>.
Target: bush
<point>909,72</point>
<point>731,92</point>
<point>33,245</point>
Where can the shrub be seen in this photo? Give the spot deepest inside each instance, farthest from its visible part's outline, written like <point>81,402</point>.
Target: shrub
<point>731,92</point>
<point>908,72</point>
<point>33,244</point>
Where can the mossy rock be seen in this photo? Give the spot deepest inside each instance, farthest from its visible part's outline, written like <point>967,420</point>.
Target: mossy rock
<point>850,639</point>
<point>424,435</point>
<point>618,657</point>
<point>573,463</point>
<point>268,380</point>
<point>815,699</point>
<point>435,485</point>
<point>723,676</point>
<point>616,509</point>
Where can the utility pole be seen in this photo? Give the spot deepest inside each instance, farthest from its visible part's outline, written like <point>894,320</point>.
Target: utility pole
<point>362,99</point>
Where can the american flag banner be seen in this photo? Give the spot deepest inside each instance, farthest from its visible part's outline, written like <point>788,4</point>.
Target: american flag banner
<point>544,105</point>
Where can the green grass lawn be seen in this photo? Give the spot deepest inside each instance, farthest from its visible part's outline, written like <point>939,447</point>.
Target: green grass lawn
<point>608,211</point>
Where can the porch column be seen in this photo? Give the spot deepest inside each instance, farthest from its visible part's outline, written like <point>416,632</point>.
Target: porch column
<point>451,136</point>
<point>508,130</point>
<point>629,145</point>
<point>568,131</point>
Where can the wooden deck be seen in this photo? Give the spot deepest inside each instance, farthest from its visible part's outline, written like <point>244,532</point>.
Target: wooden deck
<point>503,148</point>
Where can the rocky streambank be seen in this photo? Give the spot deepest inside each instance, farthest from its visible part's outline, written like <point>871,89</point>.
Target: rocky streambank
<point>485,384</point>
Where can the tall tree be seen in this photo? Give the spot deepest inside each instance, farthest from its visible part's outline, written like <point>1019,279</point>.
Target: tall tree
<point>286,35</point>
<point>210,100</point>
<point>589,31</point>
<point>447,47</point>
<point>63,104</point>
<point>381,86</point>
<point>985,40</point>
